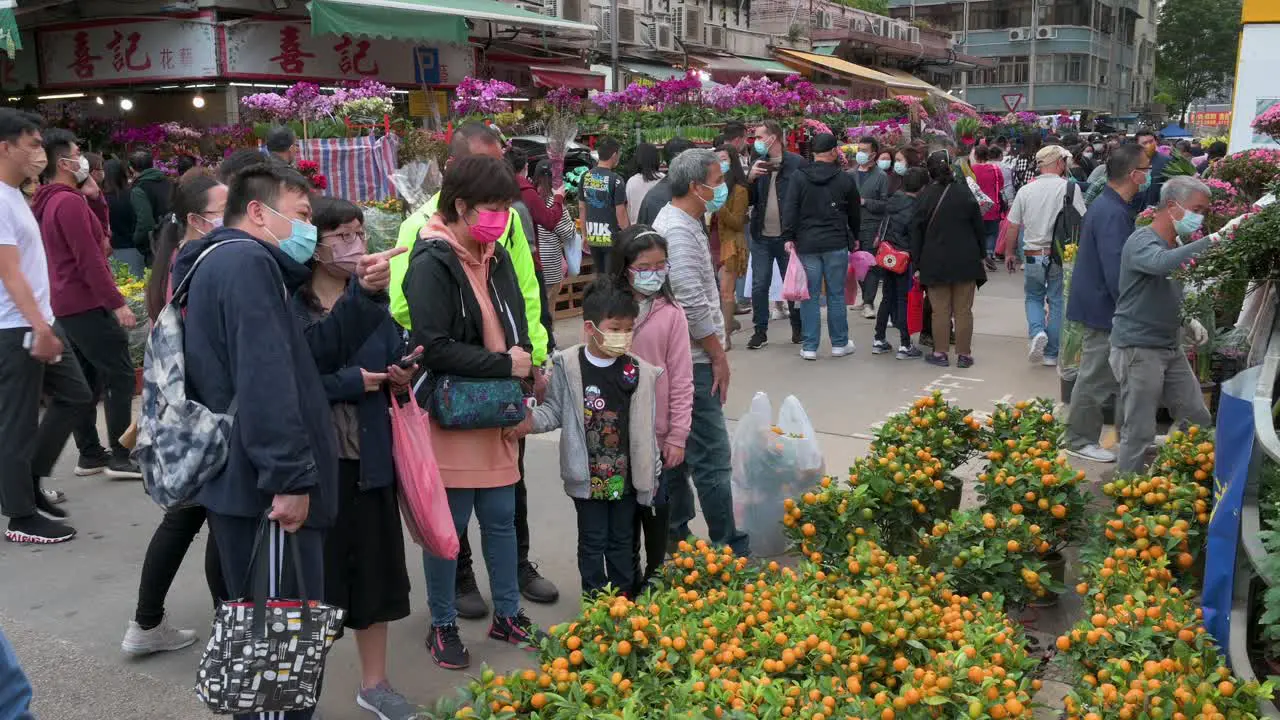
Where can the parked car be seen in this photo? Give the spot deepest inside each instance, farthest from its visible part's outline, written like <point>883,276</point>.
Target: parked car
<point>535,148</point>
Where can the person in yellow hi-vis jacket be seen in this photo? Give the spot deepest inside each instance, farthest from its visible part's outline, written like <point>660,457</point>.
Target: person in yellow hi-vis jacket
<point>475,138</point>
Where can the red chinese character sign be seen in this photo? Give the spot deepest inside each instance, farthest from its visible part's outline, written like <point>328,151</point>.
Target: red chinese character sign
<point>284,50</point>
<point>127,50</point>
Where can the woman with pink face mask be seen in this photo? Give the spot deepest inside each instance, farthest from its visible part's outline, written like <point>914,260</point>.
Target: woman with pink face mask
<point>364,563</point>
<point>468,315</point>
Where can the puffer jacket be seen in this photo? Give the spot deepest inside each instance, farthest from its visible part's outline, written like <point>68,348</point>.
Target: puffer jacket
<point>900,211</point>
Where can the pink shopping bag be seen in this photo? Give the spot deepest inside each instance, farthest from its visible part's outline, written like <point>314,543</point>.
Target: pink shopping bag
<point>795,286</point>
<point>423,501</point>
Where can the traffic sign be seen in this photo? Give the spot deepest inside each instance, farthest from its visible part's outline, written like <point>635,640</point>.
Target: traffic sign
<point>1012,101</point>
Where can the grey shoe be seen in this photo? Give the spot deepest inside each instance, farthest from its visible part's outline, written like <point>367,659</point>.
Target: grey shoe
<point>536,588</point>
<point>161,638</point>
<point>387,704</point>
<point>467,600</point>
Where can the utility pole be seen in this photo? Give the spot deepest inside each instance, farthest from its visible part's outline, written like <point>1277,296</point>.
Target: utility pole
<point>964,76</point>
<point>613,45</point>
<point>1031,75</point>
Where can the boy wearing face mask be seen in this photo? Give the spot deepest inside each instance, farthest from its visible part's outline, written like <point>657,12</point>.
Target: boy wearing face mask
<point>86,301</point>
<point>603,399</point>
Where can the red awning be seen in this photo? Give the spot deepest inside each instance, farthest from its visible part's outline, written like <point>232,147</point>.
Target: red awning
<point>576,78</point>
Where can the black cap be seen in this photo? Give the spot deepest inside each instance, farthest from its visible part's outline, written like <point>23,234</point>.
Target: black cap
<point>823,142</point>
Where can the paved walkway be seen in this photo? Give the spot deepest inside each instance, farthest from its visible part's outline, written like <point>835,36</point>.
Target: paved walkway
<point>65,607</point>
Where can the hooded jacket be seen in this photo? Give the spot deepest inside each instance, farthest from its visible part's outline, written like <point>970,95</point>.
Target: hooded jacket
<point>448,324</point>
<point>150,198</point>
<point>900,211</point>
<point>563,410</point>
<point>547,216</point>
<point>822,210</point>
<point>80,277</point>
<point>243,340</point>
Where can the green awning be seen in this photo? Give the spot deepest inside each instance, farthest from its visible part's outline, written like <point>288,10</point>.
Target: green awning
<point>439,20</point>
<point>772,67</point>
<point>825,49</point>
<point>10,40</point>
<point>653,70</point>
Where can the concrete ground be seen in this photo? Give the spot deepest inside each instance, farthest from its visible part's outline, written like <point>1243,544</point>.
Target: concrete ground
<point>65,607</point>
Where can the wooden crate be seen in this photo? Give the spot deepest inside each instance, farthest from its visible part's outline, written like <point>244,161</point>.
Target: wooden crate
<point>569,302</point>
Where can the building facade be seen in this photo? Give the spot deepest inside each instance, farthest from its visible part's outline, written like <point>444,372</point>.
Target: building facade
<point>1096,56</point>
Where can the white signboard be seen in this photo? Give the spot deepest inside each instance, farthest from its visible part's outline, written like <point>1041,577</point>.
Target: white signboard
<point>121,51</point>
<point>1256,89</point>
<point>285,50</point>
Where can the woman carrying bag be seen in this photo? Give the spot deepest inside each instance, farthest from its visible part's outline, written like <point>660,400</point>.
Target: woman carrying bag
<point>948,249</point>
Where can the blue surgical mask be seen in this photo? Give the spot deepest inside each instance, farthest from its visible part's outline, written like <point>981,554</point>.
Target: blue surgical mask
<point>301,243</point>
<point>862,158</point>
<point>648,282</point>
<point>1146,182</point>
<point>724,166</point>
<point>717,200</point>
<point>761,148</point>
<point>1188,223</point>
<point>900,168</point>
<point>884,165</point>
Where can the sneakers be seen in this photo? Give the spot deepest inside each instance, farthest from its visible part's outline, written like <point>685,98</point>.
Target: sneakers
<point>536,588</point>
<point>467,600</point>
<point>92,463</point>
<point>909,352</point>
<point>880,347</point>
<point>1049,362</point>
<point>964,361</point>
<point>47,506</point>
<point>743,309</point>
<point>869,311</point>
<point>517,630</point>
<point>1093,452</point>
<point>161,638</point>
<point>938,359</point>
<point>55,497</point>
<point>122,468</point>
<point>845,350</point>
<point>925,339</point>
<point>387,704</point>
<point>758,340</point>
<point>446,647</point>
<point>808,354</point>
<point>796,335</point>
<point>1035,352</point>
<point>989,264</point>
<point>38,530</point>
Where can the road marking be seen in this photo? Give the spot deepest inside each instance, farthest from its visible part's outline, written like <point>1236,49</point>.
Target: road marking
<point>946,384</point>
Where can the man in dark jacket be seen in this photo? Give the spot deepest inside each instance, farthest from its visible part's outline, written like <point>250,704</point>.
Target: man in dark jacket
<point>769,176</point>
<point>820,219</point>
<point>150,198</point>
<point>282,146</point>
<point>244,345</point>
<point>87,304</point>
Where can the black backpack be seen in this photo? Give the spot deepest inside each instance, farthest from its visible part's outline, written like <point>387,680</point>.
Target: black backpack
<point>1066,227</point>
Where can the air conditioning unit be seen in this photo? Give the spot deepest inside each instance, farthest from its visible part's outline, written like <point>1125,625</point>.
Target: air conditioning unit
<point>859,25</point>
<point>913,35</point>
<point>1019,34</point>
<point>629,30</point>
<point>1046,33</point>
<point>662,37</point>
<point>572,10</point>
<point>897,31</point>
<point>686,23</point>
<point>877,26</point>
<point>717,37</point>
<point>824,20</point>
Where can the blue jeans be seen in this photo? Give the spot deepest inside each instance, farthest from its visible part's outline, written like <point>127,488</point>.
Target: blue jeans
<point>765,252</point>
<point>706,457</point>
<point>15,690</point>
<point>1042,282</point>
<point>992,229</point>
<point>832,267</point>
<point>496,510</point>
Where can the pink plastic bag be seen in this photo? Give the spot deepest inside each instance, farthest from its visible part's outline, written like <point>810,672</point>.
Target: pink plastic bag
<point>423,501</point>
<point>860,261</point>
<point>795,286</point>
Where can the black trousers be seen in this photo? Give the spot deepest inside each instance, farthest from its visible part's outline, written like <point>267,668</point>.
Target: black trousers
<point>654,524</point>
<point>102,345</point>
<point>893,304</point>
<point>168,547</point>
<point>30,444</point>
<point>605,531</point>
<point>465,570</point>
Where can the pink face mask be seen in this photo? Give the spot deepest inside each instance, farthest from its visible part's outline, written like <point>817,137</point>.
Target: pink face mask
<point>346,250</point>
<point>489,225</point>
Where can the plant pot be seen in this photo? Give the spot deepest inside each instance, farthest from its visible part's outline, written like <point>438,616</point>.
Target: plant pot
<point>949,497</point>
<point>1056,566</point>
<point>137,381</point>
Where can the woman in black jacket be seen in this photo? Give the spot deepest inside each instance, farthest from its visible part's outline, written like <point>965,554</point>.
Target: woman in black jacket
<point>468,316</point>
<point>947,250</point>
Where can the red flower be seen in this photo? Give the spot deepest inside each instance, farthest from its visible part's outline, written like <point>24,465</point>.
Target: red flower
<point>319,181</point>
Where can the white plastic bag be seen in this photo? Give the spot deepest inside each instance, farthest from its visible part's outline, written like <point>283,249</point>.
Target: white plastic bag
<point>772,462</point>
<point>573,254</point>
<point>416,182</point>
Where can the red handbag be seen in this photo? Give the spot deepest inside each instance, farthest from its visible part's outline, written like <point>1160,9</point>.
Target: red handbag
<point>892,259</point>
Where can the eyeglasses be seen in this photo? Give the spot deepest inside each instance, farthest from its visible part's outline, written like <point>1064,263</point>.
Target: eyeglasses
<point>356,236</point>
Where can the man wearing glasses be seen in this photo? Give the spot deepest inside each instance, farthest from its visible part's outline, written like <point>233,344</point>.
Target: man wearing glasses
<point>1095,287</point>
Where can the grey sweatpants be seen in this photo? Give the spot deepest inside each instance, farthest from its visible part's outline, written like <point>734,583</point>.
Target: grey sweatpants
<point>1147,377</point>
<point>1094,384</point>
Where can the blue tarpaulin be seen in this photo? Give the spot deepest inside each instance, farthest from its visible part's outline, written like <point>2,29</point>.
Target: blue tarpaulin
<point>1175,131</point>
<point>1233,450</point>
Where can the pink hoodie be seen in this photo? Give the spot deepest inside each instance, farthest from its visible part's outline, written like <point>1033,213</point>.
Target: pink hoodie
<point>662,339</point>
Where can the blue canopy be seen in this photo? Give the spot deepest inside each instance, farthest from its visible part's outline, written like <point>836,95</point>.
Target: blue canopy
<point>1175,130</point>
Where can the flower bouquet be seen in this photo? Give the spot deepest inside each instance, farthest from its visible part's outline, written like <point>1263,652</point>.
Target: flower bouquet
<point>562,128</point>
<point>477,97</point>
<point>311,171</point>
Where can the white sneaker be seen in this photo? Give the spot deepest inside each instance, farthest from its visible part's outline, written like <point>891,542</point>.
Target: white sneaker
<point>1049,362</point>
<point>1035,353</point>
<point>848,349</point>
<point>855,306</point>
<point>809,354</point>
<point>869,311</point>
<point>161,638</point>
<point>1094,452</point>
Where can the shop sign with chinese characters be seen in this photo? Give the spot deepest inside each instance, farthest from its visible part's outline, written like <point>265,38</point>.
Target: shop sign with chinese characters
<point>284,50</point>
<point>126,51</point>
